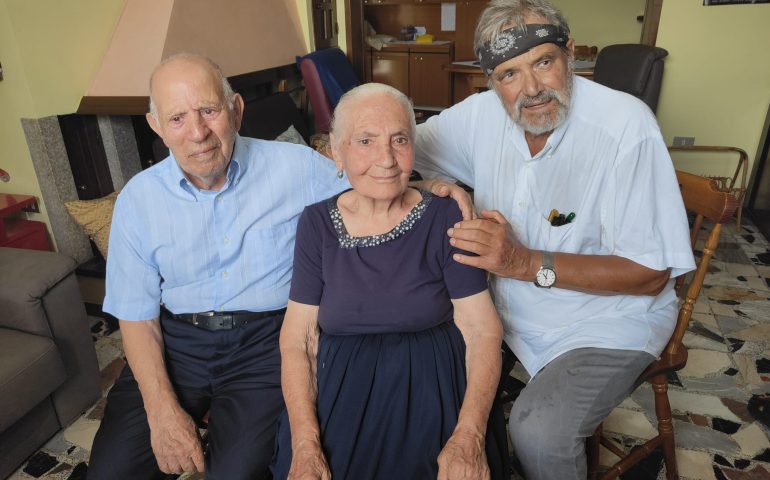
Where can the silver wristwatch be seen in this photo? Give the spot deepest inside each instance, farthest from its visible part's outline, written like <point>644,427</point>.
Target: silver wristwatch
<point>546,276</point>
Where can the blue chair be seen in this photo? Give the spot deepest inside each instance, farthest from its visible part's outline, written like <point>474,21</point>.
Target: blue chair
<point>327,75</point>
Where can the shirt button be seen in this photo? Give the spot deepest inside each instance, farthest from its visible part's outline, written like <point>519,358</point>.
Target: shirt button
<point>225,274</point>
<point>521,204</point>
<point>227,240</point>
<point>219,199</point>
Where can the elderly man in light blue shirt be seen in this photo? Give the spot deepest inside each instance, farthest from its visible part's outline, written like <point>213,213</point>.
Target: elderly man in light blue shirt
<point>198,275</point>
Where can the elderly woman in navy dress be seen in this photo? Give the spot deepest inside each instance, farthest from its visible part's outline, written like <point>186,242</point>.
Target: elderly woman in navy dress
<point>390,349</point>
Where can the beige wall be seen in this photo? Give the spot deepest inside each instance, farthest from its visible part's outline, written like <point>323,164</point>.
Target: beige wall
<point>716,85</point>
<point>603,22</point>
<point>49,50</point>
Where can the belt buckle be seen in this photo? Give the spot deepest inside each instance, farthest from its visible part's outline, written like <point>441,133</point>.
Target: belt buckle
<point>195,316</point>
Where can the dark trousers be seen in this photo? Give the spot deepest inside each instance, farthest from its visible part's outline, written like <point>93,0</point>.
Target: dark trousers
<point>233,374</point>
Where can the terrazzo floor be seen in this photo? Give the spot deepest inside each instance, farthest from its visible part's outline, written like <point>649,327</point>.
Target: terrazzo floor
<point>721,399</point>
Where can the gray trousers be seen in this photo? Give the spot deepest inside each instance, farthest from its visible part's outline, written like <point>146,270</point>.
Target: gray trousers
<point>563,404</point>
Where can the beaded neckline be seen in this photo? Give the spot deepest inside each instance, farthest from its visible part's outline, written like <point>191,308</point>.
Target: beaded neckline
<point>347,241</point>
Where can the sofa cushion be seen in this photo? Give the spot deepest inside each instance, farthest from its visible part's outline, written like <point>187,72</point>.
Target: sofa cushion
<point>30,370</point>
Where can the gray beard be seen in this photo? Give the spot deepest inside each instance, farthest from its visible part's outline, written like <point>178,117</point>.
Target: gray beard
<point>545,122</point>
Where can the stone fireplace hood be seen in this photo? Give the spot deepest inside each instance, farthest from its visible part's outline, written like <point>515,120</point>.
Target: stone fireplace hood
<point>243,36</point>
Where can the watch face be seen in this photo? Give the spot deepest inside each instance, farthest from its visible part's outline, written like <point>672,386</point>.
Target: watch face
<point>546,277</point>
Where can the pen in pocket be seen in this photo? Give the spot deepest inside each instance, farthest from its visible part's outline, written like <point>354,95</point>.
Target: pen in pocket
<point>557,219</point>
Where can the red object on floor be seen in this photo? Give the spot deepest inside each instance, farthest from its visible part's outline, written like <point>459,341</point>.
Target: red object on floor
<point>19,232</point>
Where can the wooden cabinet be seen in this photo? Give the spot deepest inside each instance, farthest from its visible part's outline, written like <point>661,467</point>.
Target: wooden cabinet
<point>391,68</point>
<point>468,13</point>
<point>429,83</point>
<point>416,70</point>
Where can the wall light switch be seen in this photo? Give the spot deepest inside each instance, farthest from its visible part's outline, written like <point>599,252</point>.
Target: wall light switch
<point>684,141</point>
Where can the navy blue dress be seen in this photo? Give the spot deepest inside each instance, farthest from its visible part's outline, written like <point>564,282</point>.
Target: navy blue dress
<point>391,362</point>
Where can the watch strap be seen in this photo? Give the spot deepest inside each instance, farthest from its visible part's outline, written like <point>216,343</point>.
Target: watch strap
<point>548,260</point>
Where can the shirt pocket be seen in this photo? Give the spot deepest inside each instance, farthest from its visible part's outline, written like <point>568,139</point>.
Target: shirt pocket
<point>582,235</point>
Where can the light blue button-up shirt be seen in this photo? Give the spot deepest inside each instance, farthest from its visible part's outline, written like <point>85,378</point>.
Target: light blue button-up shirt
<point>196,250</point>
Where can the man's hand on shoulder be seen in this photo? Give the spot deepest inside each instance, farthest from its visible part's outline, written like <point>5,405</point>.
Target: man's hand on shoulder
<point>443,188</point>
<point>175,441</point>
<point>498,250</point>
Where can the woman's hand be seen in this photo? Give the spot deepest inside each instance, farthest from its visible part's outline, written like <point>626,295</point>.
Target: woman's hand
<point>308,463</point>
<point>463,458</point>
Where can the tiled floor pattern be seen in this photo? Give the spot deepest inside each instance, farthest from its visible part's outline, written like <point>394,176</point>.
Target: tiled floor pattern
<point>721,398</point>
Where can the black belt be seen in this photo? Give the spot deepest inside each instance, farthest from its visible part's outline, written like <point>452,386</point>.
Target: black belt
<point>222,320</point>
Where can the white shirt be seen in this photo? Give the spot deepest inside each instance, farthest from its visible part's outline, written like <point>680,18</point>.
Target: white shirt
<point>609,165</point>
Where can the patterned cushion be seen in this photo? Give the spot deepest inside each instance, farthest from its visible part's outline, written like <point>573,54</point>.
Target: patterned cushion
<point>94,217</point>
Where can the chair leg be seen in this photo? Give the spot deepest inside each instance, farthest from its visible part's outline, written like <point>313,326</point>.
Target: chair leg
<point>592,452</point>
<point>665,425</point>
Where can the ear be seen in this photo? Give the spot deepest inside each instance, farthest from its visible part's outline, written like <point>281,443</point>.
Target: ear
<point>571,47</point>
<point>335,152</point>
<point>154,125</point>
<point>238,106</point>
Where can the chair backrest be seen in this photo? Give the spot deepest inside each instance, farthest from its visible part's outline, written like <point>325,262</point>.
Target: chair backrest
<point>327,75</point>
<point>632,68</point>
<point>703,199</point>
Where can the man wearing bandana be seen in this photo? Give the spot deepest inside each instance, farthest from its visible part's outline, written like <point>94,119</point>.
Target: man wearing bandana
<point>587,299</point>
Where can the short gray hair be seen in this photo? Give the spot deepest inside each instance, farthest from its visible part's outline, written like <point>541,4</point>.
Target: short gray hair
<point>503,14</point>
<point>365,91</point>
<point>227,90</point>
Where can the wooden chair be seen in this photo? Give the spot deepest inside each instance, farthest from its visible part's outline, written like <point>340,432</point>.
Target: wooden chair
<point>725,184</point>
<point>703,198</point>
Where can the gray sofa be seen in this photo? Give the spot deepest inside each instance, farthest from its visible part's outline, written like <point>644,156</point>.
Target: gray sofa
<point>48,369</point>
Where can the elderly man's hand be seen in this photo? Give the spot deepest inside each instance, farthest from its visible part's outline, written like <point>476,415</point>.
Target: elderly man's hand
<point>442,188</point>
<point>308,463</point>
<point>492,239</point>
<point>175,441</point>
<point>463,458</point>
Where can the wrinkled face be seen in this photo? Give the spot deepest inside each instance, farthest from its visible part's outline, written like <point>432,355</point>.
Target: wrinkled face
<point>194,120</point>
<point>536,87</point>
<point>376,148</point>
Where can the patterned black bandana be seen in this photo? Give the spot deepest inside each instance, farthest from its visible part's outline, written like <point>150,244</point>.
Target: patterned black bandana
<point>515,41</point>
